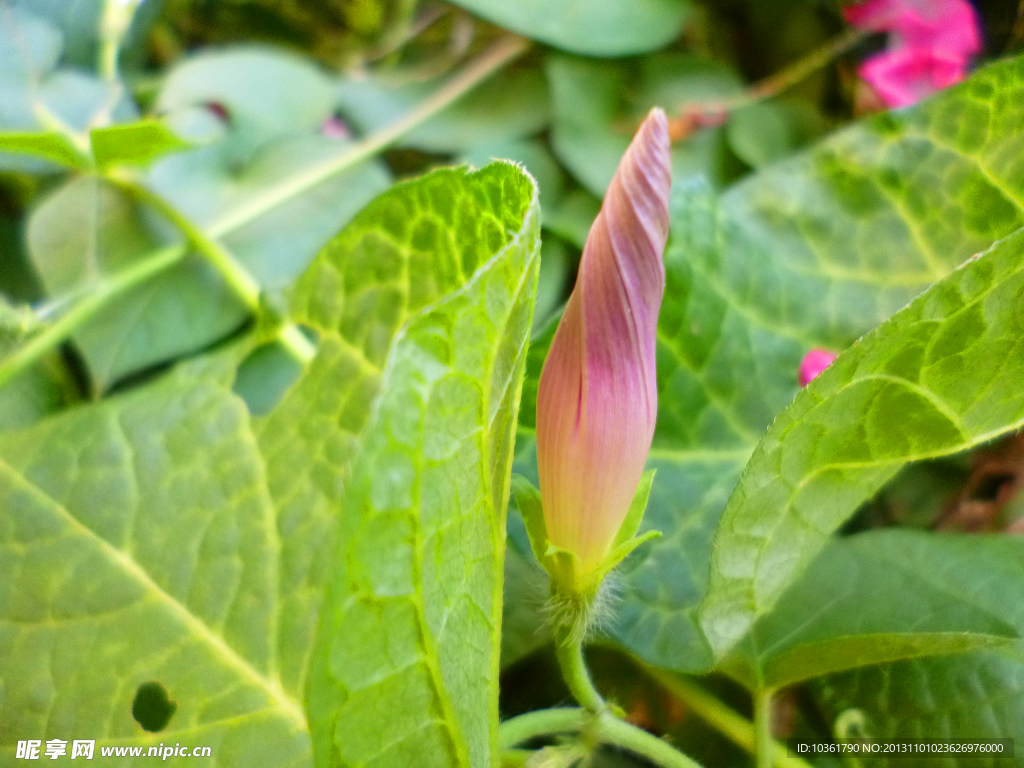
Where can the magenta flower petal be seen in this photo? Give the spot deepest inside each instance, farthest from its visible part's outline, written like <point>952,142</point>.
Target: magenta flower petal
<point>598,400</point>
<point>814,362</point>
<point>930,46</point>
<point>905,76</point>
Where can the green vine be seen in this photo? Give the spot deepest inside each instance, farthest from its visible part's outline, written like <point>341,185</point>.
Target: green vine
<point>156,262</point>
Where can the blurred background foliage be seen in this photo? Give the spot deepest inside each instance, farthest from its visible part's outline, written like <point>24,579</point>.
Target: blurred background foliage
<point>260,88</point>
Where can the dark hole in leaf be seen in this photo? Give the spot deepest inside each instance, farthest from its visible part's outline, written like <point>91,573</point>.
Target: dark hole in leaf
<point>153,708</point>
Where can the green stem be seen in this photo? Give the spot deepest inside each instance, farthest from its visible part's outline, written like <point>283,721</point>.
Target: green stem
<point>803,68</point>
<point>49,338</point>
<point>237,277</point>
<point>604,728</point>
<point>543,722</point>
<point>783,79</point>
<point>115,20</point>
<point>614,731</point>
<point>156,262</point>
<point>577,676</point>
<point>763,742</point>
<point>501,53</point>
<point>242,284</point>
<point>721,717</point>
<point>108,58</point>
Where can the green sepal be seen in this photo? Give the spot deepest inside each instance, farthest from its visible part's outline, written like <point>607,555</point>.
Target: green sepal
<point>532,510</point>
<point>561,564</point>
<point>637,507</point>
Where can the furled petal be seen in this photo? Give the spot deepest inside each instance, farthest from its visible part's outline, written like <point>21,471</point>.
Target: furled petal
<point>598,399</point>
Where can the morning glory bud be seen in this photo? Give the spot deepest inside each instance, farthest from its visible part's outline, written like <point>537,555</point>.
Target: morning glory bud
<point>598,400</point>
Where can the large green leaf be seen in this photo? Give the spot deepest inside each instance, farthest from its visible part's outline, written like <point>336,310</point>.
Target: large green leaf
<point>164,536</point>
<point>814,251</point>
<point>883,596</point>
<point>971,695</point>
<point>939,377</point>
<point>591,27</point>
<point>405,669</point>
<point>138,544</point>
<point>29,50</point>
<point>532,155</point>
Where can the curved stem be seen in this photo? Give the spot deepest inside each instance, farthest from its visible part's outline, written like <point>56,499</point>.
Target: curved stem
<point>604,728</point>
<point>577,676</point>
<point>156,262</point>
<point>543,722</point>
<point>763,728</point>
<point>611,730</point>
<point>237,277</point>
<point>721,717</point>
<point>242,284</point>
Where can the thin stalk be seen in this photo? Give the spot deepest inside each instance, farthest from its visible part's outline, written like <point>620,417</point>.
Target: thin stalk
<point>36,347</point>
<point>577,676</point>
<point>543,722</point>
<point>804,67</point>
<point>772,85</point>
<point>156,262</point>
<point>237,277</point>
<point>604,728</point>
<point>292,339</point>
<point>763,742</point>
<point>487,63</point>
<point>115,20</point>
<point>242,284</point>
<point>109,48</point>
<point>611,730</point>
<point>721,717</point>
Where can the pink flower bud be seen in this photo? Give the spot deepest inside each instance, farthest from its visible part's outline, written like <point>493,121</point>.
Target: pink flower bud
<point>598,399</point>
<point>814,362</point>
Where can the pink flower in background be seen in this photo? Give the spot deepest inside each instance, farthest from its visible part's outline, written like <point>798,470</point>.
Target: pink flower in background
<point>597,400</point>
<point>931,43</point>
<point>814,362</point>
<point>334,128</point>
